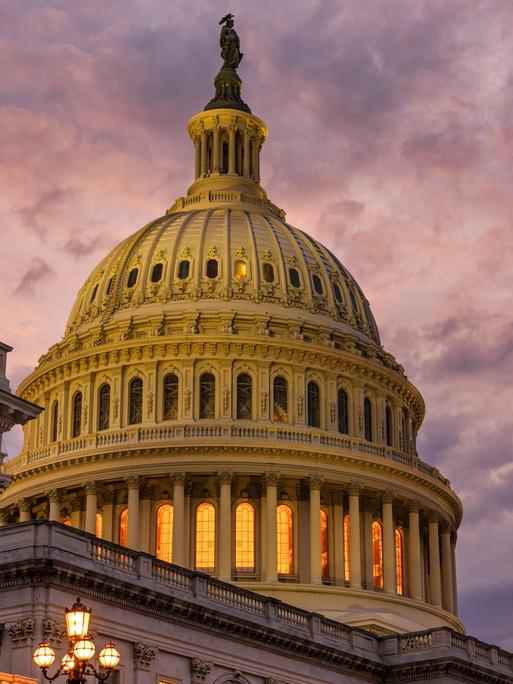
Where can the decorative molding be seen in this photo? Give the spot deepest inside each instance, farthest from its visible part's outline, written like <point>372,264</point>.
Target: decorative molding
<point>21,631</point>
<point>24,505</point>
<point>225,477</point>
<point>144,654</point>
<point>134,481</point>
<point>178,479</point>
<point>315,482</point>
<point>54,495</point>
<point>271,479</point>
<point>54,631</point>
<point>91,487</point>
<point>199,670</point>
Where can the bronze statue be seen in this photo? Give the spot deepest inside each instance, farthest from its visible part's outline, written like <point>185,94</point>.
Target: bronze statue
<point>230,45</point>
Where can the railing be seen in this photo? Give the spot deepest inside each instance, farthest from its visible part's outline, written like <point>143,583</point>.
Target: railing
<point>171,575</point>
<point>415,641</point>
<point>293,616</point>
<point>111,554</point>
<point>335,630</point>
<point>236,597</point>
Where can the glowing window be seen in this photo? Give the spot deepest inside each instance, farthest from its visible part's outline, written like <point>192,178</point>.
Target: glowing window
<point>245,538</point>
<point>338,293</point>
<point>343,416</point>
<point>164,533</point>
<point>317,283</point>
<point>294,277</point>
<point>93,296</point>
<point>346,547</point>
<point>170,397</point>
<point>388,426</point>
<point>156,273</point>
<point>280,400</point>
<point>104,407</point>
<point>99,524</point>
<point>314,405</point>
<point>123,527</point>
<point>367,419</point>
<point>212,268</point>
<point>399,561</point>
<point>268,272</point>
<point>67,522</point>
<point>284,529</point>
<point>132,277</point>
<point>135,394</point>
<point>241,269</point>
<point>244,397</point>
<point>55,420</point>
<point>377,554</point>
<point>183,269</point>
<point>207,396</point>
<point>205,537</point>
<point>324,544</point>
<point>77,415</point>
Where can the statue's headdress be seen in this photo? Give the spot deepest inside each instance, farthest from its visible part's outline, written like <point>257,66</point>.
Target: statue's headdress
<point>226,18</point>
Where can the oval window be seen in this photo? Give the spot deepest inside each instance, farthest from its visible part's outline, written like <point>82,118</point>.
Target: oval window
<point>317,284</point>
<point>156,273</point>
<point>183,270</point>
<point>294,277</point>
<point>93,296</point>
<point>338,293</point>
<point>268,271</point>
<point>212,268</point>
<point>241,270</point>
<point>132,277</point>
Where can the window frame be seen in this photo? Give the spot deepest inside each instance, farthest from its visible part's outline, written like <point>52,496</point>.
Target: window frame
<point>130,419</point>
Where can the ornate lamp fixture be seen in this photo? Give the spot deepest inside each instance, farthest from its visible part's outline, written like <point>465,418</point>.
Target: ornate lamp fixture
<point>76,663</point>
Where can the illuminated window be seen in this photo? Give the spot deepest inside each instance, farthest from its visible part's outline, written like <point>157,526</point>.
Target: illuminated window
<point>55,420</point>
<point>284,529</point>
<point>205,537</point>
<point>104,407</point>
<point>170,397</point>
<point>314,405</point>
<point>367,419</point>
<point>346,547</point>
<point>324,544</point>
<point>399,561</point>
<point>156,273</point>
<point>294,277</point>
<point>245,538</point>
<point>183,269</point>
<point>164,533</point>
<point>244,397</point>
<point>77,415</point>
<point>207,396</point>
<point>99,524</point>
<point>377,554</point>
<point>212,268</point>
<point>135,398</point>
<point>343,416</point>
<point>280,400</point>
<point>317,284</point>
<point>67,522</point>
<point>132,277</point>
<point>388,426</point>
<point>123,527</point>
<point>268,272</point>
<point>241,269</point>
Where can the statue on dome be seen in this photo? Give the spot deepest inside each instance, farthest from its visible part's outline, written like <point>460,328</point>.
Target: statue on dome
<point>230,44</point>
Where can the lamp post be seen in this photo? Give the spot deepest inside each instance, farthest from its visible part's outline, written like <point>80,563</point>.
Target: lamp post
<point>76,662</point>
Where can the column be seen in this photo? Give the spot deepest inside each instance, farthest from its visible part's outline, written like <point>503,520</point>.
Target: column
<point>247,155</point>
<point>134,483</point>
<point>414,553</point>
<point>271,555</point>
<point>447,573</point>
<point>91,489</point>
<point>367,510</point>
<point>258,148</point>
<point>25,509</point>
<point>389,580</point>
<point>108,495</point>
<point>178,480</point>
<point>76,511</point>
<point>215,160</point>
<point>54,499</point>
<point>338,536</point>
<point>231,149</point>
<point>146,495</point>
<point>314,485</point>
<point>224,480</point>
<point>203,153</point>
<point>454,537</point>
<point>435,585</point>
<point>355,562</point>
<point>197,158</point>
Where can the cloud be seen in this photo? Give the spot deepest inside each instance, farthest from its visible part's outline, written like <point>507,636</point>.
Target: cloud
<point>38,272</point>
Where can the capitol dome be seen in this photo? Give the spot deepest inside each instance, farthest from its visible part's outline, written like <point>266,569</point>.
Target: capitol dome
<point>221,400</point>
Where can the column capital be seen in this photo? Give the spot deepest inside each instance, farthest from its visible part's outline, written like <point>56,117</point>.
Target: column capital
<point>24,505</point>
<point>445,527</point>
<point>433,517</point>
<point>91,487</point>
<point>387,497</point>
<point>54,495</point>
<point>314,482</point>
<point>271,479</point>
<point>413,506</point>
<point>354,489</point>
<point>224,477</point>
<point>134,481</point>
<point>178,479</point>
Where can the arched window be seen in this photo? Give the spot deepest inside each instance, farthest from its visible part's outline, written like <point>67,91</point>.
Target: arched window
<point>294,277</point>
<point>170,397</point>
<point>156,273</point>
<point>224,167</point>
<point>76,426</point>
<point>324,544</point>
<point>346,547</point>
<point>399,561</point>
<point>123,527</point>
<point>314,405</point>
<point>135,398</point>
<point>284,531</point>
<point>317,283</point>
<point>132,277</point>
<point>183,269</point>
<point>268,271</point>
<point>99,524</point>
<point>109,286</point>
<point>406,431</point>
<point>389,426</point>
<point>241,269</point>
<point>93,296</point>
<point>377,554</point>
<point>354,303</point>
<point>280,400</point>
<point>212,268</point>
<point>207,396</point>
<point>205,537</point>
<point>367,419</point>
<point>338,293</point>
<point>343,412</point>
<point>104,407</point>
<point>245,538</point>
<point>164,533</point>
<point>55,420</point>
<point>244,397</point>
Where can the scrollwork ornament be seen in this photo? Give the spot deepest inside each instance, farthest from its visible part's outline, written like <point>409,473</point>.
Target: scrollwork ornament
<point>199,670</point>
<point>21,631</point>
<point>144,654</point>
<point>300,405</point>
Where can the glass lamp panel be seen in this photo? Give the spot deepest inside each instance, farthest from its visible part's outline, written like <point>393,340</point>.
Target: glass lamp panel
<point>84,649</point>
<point>77,620</point>
<point>68,661</point>
<point>44,655</point>
<point>245,538</point>
<point>284,531</point>
<point>109,656</point>
<point>205,537</point>
<point>164,533</point>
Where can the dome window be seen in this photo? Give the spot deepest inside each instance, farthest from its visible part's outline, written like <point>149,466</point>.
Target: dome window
<point>156,273</point>
<point>109,286</point>
<point>170,405</point>
<point>338,293</point>
<point>104,407</point>
<point>280,400</point>
<point>314,405</point>
<point>212,268</point>
<point>367,419</point>
<point>93,296</point>
<point>244,397</point>
<point>294,277</point>
<point>132,277</point>
<point>354,303</point>
<point>76,423</point>
<point>207,396</point>
<point>317,283</point>
<point>268,271</point>
<point>343,413</point>
<point>241,269</point>
<point>135,399</point>
<point>183,269</point>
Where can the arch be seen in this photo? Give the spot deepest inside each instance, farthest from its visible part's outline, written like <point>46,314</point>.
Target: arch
<point>244,397</point>
<point>76,420</point>
<point>135,401</point>
<point>284,533</point>
<point>104,407</point>
<point>207,396</point>
<point>164,532</point>
<point>55,421</point>
<point>123,527</point>
<point>205,537</point>
<point>346,547</point>
<point>156,272</point>
<point>313,404</point>
<point>399,561</point>
<point>99,525</point>
<point>280,399</point>
<point>245,537</point>
<point>389,426</point>
<point>343,411</point>
<point>377,554</point>
<point>170,397</point>
<point>367,419</point>
<point>324,545</point>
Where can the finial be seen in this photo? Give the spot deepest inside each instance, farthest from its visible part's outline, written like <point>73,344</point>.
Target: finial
<point>230,44</point>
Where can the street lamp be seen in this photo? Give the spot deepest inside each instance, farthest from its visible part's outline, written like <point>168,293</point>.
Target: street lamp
<point>76,663</point>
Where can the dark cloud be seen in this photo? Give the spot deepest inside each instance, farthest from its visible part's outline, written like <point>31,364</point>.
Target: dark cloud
<point>38,272</point>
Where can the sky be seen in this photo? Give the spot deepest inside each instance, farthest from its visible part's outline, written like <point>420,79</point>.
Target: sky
<point>390,141</point>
